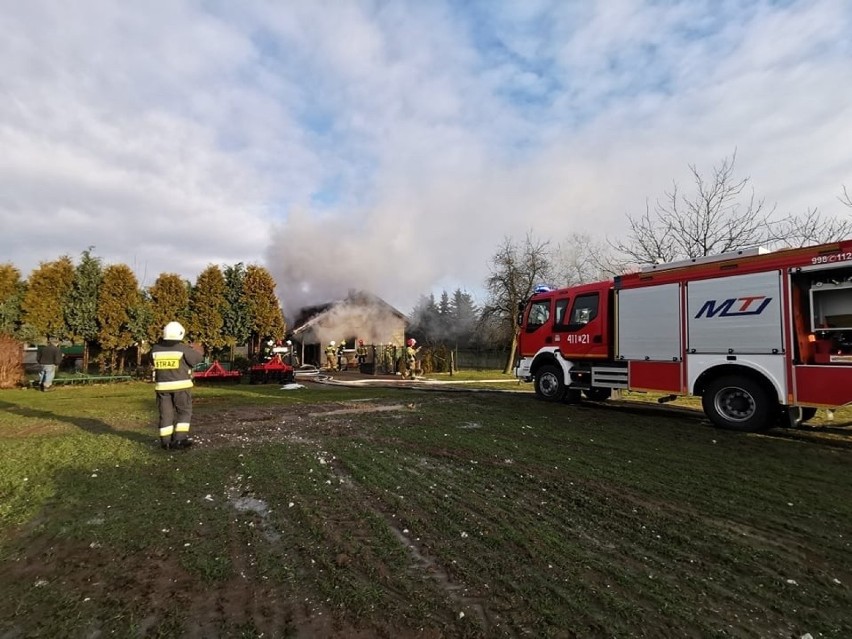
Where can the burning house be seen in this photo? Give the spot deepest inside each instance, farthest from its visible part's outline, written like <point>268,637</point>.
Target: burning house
<point>359,316</point>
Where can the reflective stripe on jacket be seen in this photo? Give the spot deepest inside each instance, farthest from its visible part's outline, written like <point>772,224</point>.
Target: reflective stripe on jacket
<point>173,362</point>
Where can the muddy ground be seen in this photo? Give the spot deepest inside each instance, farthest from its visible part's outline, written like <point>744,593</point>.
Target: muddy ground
<point>165,598</point>
<point>176,603</point>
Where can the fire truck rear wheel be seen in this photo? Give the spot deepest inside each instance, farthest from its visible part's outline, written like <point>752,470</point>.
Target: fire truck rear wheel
<point>549,384</point>
<point>738,403</point>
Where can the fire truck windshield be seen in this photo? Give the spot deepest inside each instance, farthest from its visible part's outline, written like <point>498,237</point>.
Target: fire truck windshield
<point>539,313</point>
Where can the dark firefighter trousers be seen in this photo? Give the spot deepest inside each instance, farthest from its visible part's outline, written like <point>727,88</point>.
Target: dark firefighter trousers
<point>175,414</point>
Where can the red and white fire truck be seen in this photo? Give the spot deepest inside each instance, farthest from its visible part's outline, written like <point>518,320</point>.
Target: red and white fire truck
<point>761,336</point>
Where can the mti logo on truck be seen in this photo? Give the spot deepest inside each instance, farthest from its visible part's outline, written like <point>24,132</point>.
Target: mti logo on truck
<point>725,308</point>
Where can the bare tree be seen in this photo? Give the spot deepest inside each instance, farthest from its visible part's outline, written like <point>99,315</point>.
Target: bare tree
<point>516,268</point>
<point>722,215</point>
<point>846,198</point>
<point>581,258</point>
<point>807,229</point>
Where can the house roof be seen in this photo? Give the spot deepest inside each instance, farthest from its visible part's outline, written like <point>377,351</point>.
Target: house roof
<point>309,315</point>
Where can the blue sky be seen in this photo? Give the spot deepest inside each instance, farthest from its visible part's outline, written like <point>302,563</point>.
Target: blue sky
<point>392,145</point>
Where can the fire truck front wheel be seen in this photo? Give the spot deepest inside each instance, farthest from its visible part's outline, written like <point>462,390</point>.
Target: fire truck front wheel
<point>549,384</point>
<point>738,403</point>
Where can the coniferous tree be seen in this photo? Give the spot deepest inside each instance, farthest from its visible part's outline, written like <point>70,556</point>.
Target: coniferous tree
<point>235,315</point>
<point>43,306</point>
<point>465,316</point>
<point>169,303</point>
<point>81,306</point>
<point>206,303</point>
<point>118,296</point>
<point>139,324</point>
<point>11,295</point>
<point>445,320</point>
<point>264,311</point>
<point>425,320</point>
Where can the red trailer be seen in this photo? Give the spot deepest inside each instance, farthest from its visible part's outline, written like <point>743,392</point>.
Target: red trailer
<point>216,373</point>
<point>274,370</point>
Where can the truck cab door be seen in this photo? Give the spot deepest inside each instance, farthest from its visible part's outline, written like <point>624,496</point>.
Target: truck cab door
<point>537,331</point>
<point>581,331</point>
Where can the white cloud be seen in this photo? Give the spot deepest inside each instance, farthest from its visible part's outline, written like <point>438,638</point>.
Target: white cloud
<point>391,146</point>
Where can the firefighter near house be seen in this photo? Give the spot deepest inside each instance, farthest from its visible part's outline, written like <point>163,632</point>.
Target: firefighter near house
<point>762,337</point>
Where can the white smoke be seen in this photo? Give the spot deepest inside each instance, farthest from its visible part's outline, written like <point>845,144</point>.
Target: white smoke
<point>319,260</point>
<point>357,317</point>
<point>398,257</point>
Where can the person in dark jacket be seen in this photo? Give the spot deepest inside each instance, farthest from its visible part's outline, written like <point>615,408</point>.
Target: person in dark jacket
<point>342,364</point>
<point>49,357</point>
<point>173,363</point>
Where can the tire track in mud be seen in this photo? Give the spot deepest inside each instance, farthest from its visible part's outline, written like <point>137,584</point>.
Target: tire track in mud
<point>426,564</point>
<point>307,427</point>
<point>830,433</point>
<point>237,600</point>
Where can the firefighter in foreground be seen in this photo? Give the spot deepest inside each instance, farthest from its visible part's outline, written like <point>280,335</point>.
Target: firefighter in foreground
<point>410,358</point>
<point>173,363</point>
<point>331,356</point>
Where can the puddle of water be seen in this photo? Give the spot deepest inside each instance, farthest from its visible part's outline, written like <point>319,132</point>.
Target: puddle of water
<point>250,504</point>
<point>260,508</point>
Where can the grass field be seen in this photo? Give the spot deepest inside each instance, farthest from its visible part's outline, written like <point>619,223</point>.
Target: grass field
<point>373,512</point>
